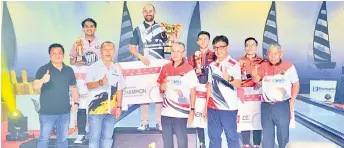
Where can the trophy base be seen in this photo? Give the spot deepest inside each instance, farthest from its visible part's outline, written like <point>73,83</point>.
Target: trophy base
<point>167,49</point>
<point>78,59</point>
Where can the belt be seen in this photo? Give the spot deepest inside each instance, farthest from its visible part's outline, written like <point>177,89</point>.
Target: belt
<point>271,103</point>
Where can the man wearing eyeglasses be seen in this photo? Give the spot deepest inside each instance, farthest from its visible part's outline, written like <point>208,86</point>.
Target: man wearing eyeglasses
<point>224,78</point>
<point>247,64</point>
<point>206,57</point>
<point>177,80</point>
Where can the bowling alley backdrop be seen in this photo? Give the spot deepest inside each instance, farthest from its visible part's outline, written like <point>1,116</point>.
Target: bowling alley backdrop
<point>311,38</point>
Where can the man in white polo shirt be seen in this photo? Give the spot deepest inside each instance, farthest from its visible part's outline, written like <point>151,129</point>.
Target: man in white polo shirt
<point>105,83</point>
<point>280,86</point>
<point>225,78</point>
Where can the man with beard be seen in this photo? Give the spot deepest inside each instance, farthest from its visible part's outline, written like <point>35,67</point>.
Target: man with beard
<point>149,37</point>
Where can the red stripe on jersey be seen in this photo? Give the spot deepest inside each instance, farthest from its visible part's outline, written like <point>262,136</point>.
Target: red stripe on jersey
<point>211,103</point>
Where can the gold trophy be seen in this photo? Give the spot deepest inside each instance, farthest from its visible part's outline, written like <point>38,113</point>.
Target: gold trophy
<point>172,32</point>
<point>79,50</point>
<point>198,61</point>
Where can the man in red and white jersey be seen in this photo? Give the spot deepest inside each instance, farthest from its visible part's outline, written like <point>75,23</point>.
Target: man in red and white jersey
<point>224,77</point>
<point>280,86</point>
<point>177,81</point>
<point>247,64</point>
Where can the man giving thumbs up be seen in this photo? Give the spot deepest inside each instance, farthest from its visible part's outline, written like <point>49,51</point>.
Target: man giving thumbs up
<point>54,80</point>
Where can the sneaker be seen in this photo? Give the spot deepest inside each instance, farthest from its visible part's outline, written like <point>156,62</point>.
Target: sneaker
<point>143,128</point>
<point>202,145</point>
<point>246,146</point>
<point>158,127</point>
<point>256,146</point>
<point>80,139</point>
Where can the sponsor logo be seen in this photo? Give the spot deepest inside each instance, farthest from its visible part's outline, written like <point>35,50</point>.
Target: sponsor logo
<point>245,119</point>
<point>319,89</point>
<point>90,57</point>
<point>274,80</point>
<point>176,82</point>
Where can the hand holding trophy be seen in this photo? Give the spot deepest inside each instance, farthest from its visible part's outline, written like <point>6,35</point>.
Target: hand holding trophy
<point>198,61</point>
<point>172,32</point>
<point>79,50</point>
<point>243,71</point>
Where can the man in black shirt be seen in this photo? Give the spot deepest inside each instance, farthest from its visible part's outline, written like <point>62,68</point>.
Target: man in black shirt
<point>54,79</point>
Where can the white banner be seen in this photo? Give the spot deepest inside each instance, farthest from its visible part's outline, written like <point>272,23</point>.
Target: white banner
<point>322,90</point>
<point>249,115</point>
<point>201,98</point>
<point>140,81</point>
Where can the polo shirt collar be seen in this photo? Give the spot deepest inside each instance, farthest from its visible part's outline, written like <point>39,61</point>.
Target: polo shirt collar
<point>94,39</point>
<point>255,56</point>
<point>181,63</point>
<point>52,66</point>
<point>101,63</point>
<point>147,25</point>
<point>278,63</point>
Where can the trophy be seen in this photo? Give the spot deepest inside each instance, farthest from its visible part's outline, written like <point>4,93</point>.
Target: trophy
<point>198,61</point>
<point>79,50</point>
<point>243,70</point>
<point>172,32</point>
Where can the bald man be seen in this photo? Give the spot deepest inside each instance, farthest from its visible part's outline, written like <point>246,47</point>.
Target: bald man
<point>149,37</point>
<point>280,86</point>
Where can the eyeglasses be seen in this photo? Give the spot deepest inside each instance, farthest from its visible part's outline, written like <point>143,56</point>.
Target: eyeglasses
<point>203,39</point>
<point>253,45</point>
<point>180,52</point>
<point>219,48</point>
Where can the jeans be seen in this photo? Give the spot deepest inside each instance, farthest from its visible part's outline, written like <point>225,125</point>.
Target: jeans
<point>101,129</point>
<point>47,123</point>
<point>200,134</point>
<point>81,121</point>
<point>257,137</point>
<point>278,115</point>
<point>219,121</point>
<point>177,126</point>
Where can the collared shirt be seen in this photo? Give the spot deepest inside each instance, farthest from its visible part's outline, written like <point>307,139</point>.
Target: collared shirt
<point>135,38</point>
<point>224,94</point>
<point>247,65</point>
<point>150,40</point>
<point>180,80</point>
<point>103,98</point>
<point>277,80</point>
<point>91,50</point>
<point>206,59</point>
<point>54,98</point>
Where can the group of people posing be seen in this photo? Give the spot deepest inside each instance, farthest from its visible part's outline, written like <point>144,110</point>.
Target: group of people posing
<point>96,83</point>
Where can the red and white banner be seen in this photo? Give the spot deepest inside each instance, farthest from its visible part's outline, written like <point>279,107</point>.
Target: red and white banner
<point>140,80</point>
<point>249,115</point>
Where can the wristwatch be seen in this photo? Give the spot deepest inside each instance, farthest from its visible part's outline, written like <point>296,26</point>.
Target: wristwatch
<point>192,109</point>
<point>119,107</point>
<point>76,103</point>
<point>231,79</point>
